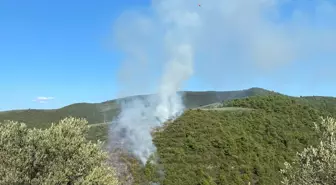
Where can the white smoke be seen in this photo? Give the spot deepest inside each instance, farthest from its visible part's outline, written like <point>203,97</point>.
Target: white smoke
<point>170,41</point>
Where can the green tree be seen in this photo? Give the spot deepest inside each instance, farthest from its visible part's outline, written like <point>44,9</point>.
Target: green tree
<point>60,154</point>
<point>315,165</point>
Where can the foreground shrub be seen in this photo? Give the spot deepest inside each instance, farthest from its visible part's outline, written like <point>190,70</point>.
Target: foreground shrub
<point>57,155</point>
<point>315,165</point>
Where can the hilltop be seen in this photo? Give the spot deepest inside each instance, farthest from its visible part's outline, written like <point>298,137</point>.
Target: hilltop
<point>104,112</point>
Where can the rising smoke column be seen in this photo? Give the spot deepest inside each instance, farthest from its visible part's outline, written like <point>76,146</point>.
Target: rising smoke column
<point>224,42</point>
<point>138,117</point>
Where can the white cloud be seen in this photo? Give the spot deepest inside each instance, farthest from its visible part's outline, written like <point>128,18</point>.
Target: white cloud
<point>43,99</point>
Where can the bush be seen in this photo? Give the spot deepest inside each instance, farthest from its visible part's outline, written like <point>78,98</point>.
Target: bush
<point>57,155</point>
<point>315,165</point>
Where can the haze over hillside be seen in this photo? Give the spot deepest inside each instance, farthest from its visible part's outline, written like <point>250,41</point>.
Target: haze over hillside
<point>171,137</point>
<point>106,111</point>
<point>234,146</point>
<point>246,137</point>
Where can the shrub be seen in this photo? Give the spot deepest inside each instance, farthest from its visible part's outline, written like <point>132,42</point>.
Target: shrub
<point>315,165</point>
<point>57,155</point>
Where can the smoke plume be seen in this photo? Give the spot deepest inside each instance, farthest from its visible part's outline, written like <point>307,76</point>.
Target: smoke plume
<point>172,40</point>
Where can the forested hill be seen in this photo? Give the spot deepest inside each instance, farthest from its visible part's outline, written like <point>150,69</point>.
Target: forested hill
<point>105,111</point>
<point>224,147</point>
<point>244,139</point>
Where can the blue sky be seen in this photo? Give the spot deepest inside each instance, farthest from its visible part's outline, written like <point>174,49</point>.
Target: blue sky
<point>64,49</point>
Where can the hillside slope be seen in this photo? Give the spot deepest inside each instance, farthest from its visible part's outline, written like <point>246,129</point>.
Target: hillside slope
<point>105,111</point>
<point>236,147</point>
<point>247,138</point>
<point>43,118</point>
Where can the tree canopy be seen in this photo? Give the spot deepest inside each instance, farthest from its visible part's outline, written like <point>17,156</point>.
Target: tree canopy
<point>60,154</point>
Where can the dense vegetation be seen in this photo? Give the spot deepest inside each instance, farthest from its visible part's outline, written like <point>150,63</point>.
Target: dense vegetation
<point>315,165</point>
<point>245,139</point>
<point>237,147</point>
<point>58,155</point>
<point>326,104</point>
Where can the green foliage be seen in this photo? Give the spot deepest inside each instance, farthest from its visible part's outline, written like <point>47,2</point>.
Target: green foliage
<point>98,132</point>
<point>327,104</point>
<point>57,155</point>
<point>315,165</point>
<point>237,147</point>
<point>247,141</point>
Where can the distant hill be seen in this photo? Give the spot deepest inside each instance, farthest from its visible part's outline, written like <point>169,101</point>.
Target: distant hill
<point>194,99</point>
<point>106,111</point>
